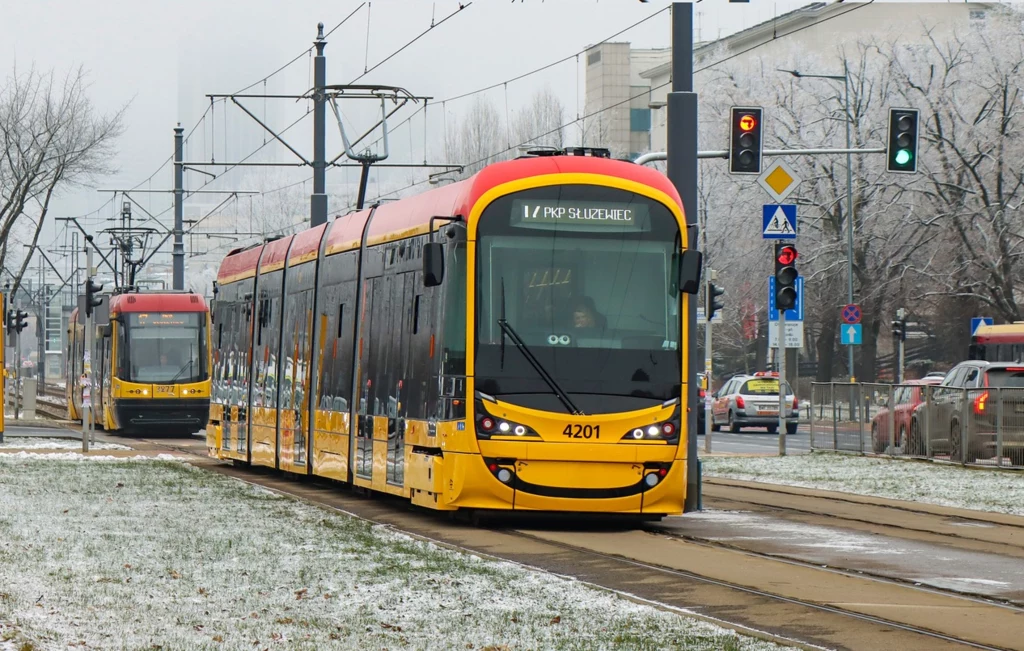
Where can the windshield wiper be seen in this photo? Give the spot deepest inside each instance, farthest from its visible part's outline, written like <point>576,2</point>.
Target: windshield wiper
<point>187,365</point>
<point>550,381</point>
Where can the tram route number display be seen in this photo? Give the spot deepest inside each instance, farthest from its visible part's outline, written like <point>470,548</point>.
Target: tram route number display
<point>577,431</point>
<point>580,215</point>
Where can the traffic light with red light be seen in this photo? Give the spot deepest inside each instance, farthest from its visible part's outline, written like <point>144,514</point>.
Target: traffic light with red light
<point>745,142</point>
<point>785,276</point>
<point>901,152</point>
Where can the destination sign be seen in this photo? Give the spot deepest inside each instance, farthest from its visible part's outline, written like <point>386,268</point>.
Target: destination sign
<point>175,319</point>
<point>579,215</point>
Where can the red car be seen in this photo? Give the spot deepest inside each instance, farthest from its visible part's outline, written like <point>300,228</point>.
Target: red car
<point>906,398</point>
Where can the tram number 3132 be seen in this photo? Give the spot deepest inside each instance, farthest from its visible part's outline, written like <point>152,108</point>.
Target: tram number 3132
<point>582,431</point>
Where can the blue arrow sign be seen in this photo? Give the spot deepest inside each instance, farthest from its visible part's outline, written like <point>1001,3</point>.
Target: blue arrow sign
<point>850,334</point>
<point>778,222</point>
<point>978,321</point>
<point>797,313</point>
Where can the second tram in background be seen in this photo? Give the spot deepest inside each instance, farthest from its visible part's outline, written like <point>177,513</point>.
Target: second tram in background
<point>151,373</point>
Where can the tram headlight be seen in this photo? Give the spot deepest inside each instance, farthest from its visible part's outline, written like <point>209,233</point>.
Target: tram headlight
<point>504,475</point>
<point>665,430</point>
<point>488,425</point>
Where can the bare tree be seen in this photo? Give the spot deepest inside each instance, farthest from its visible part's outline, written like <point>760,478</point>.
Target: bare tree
<point>540,122</point>
<point>478,138</point>
<point>52,138</point>
<point>970,88</point>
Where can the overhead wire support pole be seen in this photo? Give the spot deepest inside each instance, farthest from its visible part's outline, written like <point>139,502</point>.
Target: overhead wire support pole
<point>178,246</point>
<point>89,243</point>
<point>318,200</point>
<point>682,172</point>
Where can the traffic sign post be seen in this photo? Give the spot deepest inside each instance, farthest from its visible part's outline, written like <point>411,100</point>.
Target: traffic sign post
<point>850,334</point>
<point>778,222</point>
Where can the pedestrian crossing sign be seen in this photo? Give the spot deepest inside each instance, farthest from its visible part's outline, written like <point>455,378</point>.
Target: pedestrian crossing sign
<point>778,222</point>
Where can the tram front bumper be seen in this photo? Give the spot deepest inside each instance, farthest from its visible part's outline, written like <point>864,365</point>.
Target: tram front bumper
<point>142,414</point>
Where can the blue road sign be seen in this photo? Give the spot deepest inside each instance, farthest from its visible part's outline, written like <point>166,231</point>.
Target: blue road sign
<point>850,334</point>
<point>980,320</point>
<point>778,222</point>
<point>797,313</point>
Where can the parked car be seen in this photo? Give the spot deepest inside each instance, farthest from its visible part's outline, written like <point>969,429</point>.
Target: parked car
<point>966,401</point>
<point>904,400</point>
<point>753,401</point>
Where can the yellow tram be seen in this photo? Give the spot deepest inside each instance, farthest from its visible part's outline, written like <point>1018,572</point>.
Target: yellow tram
<point>151,373</point>
<point>517,340</point>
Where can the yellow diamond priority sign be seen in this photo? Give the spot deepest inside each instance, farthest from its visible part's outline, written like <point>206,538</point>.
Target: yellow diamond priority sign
<point>779,181</point>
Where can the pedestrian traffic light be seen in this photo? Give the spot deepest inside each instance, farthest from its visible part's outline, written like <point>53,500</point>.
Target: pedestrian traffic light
<point>92,299</point>
<point>712,302</point>
<point>785,276</point>
<point>899,329</point>
<point>20,320</point>
<point>745,141</point>
<point>901,153</point>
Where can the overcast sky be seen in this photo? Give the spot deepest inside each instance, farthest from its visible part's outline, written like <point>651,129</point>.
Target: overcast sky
<point>162,58</point>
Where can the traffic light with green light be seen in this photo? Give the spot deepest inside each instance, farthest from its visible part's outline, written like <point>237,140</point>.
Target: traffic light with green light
<point>901,152</point>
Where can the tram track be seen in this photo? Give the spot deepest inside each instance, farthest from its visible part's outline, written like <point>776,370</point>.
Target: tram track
<point>966,529</point>
<point>787,598</point>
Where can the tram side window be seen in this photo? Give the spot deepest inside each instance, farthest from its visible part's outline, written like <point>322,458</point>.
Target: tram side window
<point>454,315</point>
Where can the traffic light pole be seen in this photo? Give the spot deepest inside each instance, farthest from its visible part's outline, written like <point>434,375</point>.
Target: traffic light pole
<point>782,382</point>
<point>17,371</point>
<point>87,361</point>
<point>901,315</point>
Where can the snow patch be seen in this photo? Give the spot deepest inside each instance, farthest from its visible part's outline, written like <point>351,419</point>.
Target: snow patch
<point>125,555</point>
<point>930,483</point>
<point>50,443</point>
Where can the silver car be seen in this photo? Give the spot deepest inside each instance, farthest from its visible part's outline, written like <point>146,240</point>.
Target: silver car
<point>753,401</point>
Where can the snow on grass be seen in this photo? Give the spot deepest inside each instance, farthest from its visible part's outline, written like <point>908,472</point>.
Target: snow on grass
<point>128,555</point>
<point>946,485</point>
<point>48,443</point>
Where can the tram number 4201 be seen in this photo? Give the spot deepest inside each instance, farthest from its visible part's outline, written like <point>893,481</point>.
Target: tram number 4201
<point>577,431</point>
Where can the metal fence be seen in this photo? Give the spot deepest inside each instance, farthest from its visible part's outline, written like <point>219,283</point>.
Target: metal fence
<point>983,426</point>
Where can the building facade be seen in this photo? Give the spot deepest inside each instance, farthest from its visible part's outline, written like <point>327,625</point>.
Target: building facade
<point>613,79</point>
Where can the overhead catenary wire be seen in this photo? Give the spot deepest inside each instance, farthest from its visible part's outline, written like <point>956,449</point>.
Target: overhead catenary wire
<point>524,75</point>
<point>578,119</point>
<point>300,54</point>
<point>433,25</point>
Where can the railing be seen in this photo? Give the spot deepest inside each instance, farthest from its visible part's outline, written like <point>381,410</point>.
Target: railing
<point>983,426</point>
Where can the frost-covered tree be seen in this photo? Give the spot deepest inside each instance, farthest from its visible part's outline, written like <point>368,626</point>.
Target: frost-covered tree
<point>970,89</point>
<point>52,138</point>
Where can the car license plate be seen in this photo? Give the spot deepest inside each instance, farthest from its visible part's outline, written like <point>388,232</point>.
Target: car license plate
<point>768,410</point>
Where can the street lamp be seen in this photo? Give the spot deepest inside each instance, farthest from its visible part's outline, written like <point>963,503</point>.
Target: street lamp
<point>845,77</point>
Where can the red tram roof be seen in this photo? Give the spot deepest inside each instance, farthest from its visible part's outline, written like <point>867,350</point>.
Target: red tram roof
<point>409,216</point>
<point>156,302</point>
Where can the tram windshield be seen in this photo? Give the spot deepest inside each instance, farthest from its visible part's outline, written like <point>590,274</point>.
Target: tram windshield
<point>583,275</point>
<point>164,348</point>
